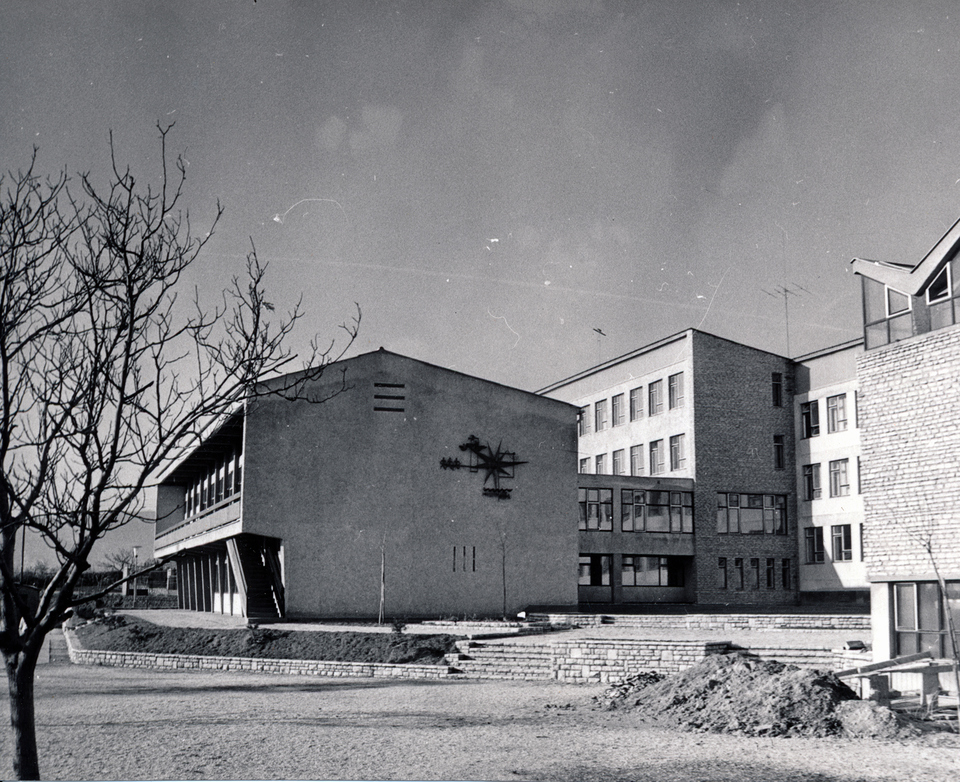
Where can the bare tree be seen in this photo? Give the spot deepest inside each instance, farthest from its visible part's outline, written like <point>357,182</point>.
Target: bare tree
<point>105,375</point>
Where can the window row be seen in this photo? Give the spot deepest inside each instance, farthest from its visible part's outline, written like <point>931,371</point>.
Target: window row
<point>640,511</point>
<point>841,544</point>
<point>837,418</point>
<point>739,573</point>
<point>839,479</point>
<point>219,482</point>
<point>621,460</point>
<point>751,514</point>
<point>890,315</point>
<point>920,617</point>
<point>635,571</point>
<point>622,406</point>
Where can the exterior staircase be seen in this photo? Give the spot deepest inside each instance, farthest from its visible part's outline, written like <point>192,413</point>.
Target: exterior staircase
<point>264,597</point>
<point>502,660</point>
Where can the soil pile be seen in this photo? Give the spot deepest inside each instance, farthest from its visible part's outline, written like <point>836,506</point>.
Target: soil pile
<point>736,693</point>
<point>124,634</point>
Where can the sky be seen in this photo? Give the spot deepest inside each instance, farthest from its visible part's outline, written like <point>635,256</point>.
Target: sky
<point>493,182</point>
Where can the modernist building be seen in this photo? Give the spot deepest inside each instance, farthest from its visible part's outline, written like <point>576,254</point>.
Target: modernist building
<point>694,436</point>
<point>414,490</point>
<point>829,498</point>
<point>909,404</point>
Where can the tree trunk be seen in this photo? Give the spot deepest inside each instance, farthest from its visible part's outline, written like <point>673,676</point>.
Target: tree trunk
<point>21,668</point>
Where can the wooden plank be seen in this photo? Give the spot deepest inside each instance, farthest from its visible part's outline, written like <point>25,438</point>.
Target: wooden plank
<point>894,663</point>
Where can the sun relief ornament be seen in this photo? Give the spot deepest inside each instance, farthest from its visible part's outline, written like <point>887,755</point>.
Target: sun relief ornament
<point>497,465</point>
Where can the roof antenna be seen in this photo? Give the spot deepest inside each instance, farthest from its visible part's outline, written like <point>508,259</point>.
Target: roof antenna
<point>599,334</point>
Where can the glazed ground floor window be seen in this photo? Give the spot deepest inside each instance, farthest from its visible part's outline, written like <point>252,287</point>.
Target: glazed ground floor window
<point>920,617</point>
<point>640,571</point>
<point>595,569</point>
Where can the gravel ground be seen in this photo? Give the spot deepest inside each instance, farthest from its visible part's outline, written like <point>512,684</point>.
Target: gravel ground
<point>112,723</point>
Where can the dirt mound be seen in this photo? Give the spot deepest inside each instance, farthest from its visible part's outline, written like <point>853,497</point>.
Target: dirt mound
<point>737,693</point>
<point>122,634</point>
<point>870,720</point>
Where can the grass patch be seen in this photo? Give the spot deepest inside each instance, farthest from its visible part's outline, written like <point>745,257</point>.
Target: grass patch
<point>126,634</point>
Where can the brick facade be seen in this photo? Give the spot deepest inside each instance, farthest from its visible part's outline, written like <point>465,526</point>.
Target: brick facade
<point>910,439</point>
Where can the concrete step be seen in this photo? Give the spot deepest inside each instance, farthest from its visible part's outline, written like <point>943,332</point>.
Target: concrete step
<point>57,646</point>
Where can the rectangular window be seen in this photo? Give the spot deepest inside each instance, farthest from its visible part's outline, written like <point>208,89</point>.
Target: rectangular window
<point>632,516</point>
<point>776,383</point>
<point>656,457</point>
<point>837,413</point>
<point>618,462</point>
<point>738,573</point>
<point>583,421</point>
<point>681,511</point>
<point>779,452</point>
<point>617,409</point>
<point>600,415</point>
<point>636,460</point>
<point>754,573</point>
<point>595,569</point>
<point>658,511</point>
<point>841,536</point>
<point>584,466</point>
<point>601,464</point>
<point>813,538</point>
<point>677,457</point>
<point>859,485</point>
<point>771,574</point>
<point>752,514</point>
<point>886,314</point>
<point>839,482</point>
<point>596,509</point>
<point>655,398</point>
<point>811,481</point>
<point>861,542</point>
<point>810,418</point>
<point>722,573</point>
<point>675,390</point>
<point>228,476</point>
<point>786,574</point>
<point>651,571</point>
<point>636,404</point>
<point>856,409</point>
<point>920,617</point>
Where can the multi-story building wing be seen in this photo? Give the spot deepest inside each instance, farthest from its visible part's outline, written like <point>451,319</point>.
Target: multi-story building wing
<point>691,406</point>
<point>909,378</point>
<point>827,469</point>
<point>413,489</point>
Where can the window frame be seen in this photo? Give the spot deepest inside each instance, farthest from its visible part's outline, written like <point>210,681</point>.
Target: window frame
<point>636,459</point>
<point>678,459</point>
<point>617,462</point>
<point>600,415</point>
<point>812,488</point>
<point>840,478</point>
<point>776,388</point>
<point>636,403</point>
<point>779,452</point>
<point>837,413</point>
<point>810,419</point>
<point>655,398</point>
<point>841,542</point>
<point>616,410</point>
<point>813,546</point>
<point>675,391</point>
<point>657,460</point>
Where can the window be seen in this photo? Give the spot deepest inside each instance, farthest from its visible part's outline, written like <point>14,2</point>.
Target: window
<point>786,574</point>
<point>583,421</point>
<point>677,458</point>
<point>886,314</point>
<point>943,310</point>
<point>837,413</point>
<point>920,617</point>
<point>601,464</point>
<point>636,404</point>
<point>722,573</point>
<point>584,466</point>
<point>618,462</point>
<point>600,415</point>
<point>651,571</point>
<point>636,460</point>
<point>617,409</point>
<point>813,538</point>
<point>754,573</point>
<point>776,382</point>
<point>861,542</point>
<point>856,409</point>
<point>595,569</point>
<point>655,398</point>
<point>656,511</point>
<point>596,509</point>
<point>810,419</point>
<point>752,514</point>
<point>675,390</point>
<point>840,534</point>
<point>738,573</point>
<point>779,452</point>
<point>656,457</point>
<point>771,574</point>
<point>839,482</point>
<point>859,484</point>
<point>811,482</point>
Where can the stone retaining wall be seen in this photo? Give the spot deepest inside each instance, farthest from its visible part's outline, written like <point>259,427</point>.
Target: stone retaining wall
<point>81,656</point>
<point>727,622</point>
<point>602,660</point>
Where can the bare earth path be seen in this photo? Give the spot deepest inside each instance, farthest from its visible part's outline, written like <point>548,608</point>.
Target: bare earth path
<point>113,723</point>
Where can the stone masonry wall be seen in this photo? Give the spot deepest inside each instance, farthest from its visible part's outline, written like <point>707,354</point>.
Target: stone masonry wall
<point>910,443</point>
<point>728,622</point>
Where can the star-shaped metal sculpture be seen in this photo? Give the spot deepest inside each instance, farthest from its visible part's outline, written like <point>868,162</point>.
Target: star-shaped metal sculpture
<point>497,464</point>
